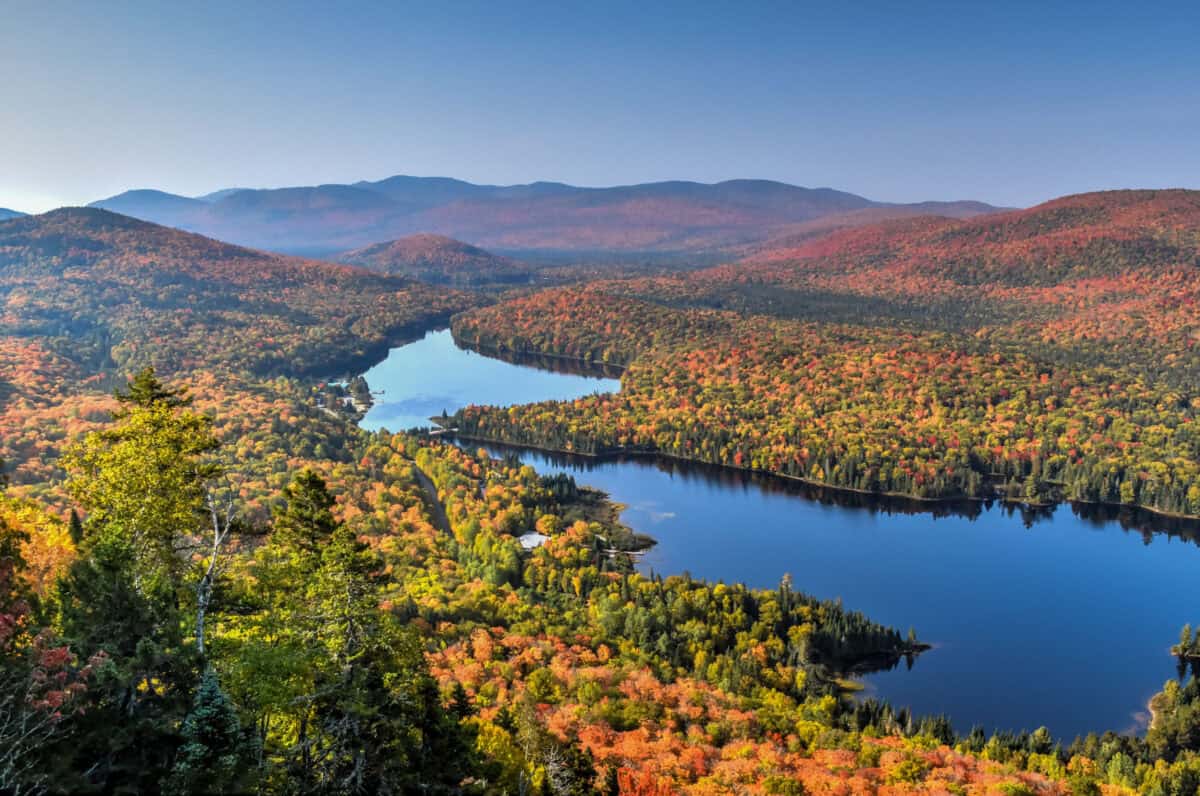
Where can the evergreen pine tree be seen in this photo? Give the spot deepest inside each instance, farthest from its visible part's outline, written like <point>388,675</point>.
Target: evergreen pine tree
<point>75,528</point>
<point>141,483</point>
<point>305,523</point>
<point>126,736</point>
<point>215,756</point>
<point>145,389</point>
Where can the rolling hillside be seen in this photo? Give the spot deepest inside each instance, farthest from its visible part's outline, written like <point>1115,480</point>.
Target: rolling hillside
<point>108,290</point>
<point>1111,277</point>
<point>793,235</point>
<point>1074,237</point>
<point>544,216</point>
<point>438,260</point>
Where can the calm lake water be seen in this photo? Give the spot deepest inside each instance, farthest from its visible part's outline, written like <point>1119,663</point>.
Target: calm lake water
<point>433,375</point>
<point>1059,617</point>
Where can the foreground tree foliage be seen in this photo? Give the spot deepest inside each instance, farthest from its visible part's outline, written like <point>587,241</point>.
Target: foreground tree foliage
<point>356,647</point>
<point>40,680</point>
<point>360,713</point>
<point>140,484</point>
<point>213,756</point>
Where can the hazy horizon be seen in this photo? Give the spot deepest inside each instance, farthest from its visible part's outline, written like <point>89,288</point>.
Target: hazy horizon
<point>302,183</point>
<point>1010,105</point>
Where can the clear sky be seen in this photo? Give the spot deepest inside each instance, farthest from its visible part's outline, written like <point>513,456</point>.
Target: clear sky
<point>1008,102</point>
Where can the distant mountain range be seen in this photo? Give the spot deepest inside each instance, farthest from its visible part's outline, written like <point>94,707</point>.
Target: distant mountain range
<point>538,217</point>
<point>6,214</point>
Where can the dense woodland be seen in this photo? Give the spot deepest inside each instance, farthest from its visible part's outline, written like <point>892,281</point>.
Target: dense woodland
<point>175,621</point>
<point>214,581</point>
<point>1042,355</point>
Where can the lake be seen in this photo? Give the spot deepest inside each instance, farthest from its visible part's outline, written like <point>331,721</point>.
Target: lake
<point>1060,617</point>
<point>432,375</point>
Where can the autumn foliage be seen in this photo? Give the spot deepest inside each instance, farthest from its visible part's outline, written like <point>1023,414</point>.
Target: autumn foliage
<point>1037,355</point>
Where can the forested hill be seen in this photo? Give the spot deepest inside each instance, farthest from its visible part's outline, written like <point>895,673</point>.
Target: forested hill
<point>674,216</point>
<point>1041,354</point>
<point>794,235</point>
<point>6,214</point>
<point>438,259</point>
<point>113,246</point>
<point>1086,236</point>
<point>111,291</point>
<point>325,633</point>
<point>88,296</point>
<point>1104,278</point>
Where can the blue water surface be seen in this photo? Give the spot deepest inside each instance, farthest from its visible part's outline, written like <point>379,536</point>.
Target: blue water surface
<point>422,379</point>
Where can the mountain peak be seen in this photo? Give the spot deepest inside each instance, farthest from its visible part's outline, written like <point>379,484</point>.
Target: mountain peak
<point>91,216</point>
<point>150,204</point>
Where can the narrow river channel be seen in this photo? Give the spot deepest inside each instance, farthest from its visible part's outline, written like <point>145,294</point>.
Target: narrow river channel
<point>1060,617</point>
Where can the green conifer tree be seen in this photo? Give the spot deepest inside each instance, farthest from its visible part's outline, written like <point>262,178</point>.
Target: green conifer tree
<point>215,756</point>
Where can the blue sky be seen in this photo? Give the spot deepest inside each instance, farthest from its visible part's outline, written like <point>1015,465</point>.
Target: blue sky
<point>1009,102</point>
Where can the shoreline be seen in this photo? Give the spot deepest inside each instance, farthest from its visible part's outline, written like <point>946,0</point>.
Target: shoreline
<point>820,491</point>
<point>615,455</point>
<point>500,351</point>
<point>484,349</point>
<point>407,335</point>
